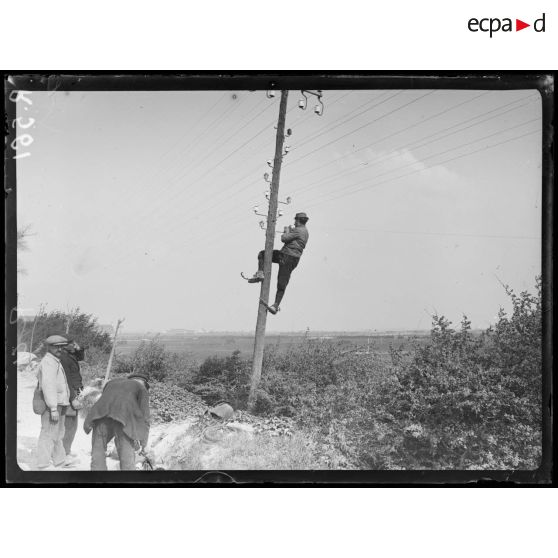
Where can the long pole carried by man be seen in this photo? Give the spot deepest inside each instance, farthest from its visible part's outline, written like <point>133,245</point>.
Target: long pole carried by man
<point>38,316</point>
<point>109,365</point>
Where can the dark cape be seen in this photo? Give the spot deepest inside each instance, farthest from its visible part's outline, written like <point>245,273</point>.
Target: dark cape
<point>126,401</point>
<point>73,374</point>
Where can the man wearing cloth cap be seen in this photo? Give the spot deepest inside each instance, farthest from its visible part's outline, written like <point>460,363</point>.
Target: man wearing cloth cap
<point>122,413</point>
<point>294,241</point>
<point>56,393</point>
<point>71,355</point>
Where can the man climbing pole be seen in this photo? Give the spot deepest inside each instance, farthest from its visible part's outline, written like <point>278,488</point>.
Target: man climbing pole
<point>294,241</point>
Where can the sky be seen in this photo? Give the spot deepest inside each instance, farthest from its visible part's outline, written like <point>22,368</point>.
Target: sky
<point>140,206</point>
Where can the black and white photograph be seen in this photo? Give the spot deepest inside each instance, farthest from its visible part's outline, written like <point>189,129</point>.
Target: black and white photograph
<point>278,274</point>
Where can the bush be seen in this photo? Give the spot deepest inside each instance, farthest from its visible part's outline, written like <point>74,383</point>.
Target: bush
<point>153,359</point>
<point>149,358</point>
<point>319,381</point>
<point>219,378</point>
<point>170,403</point>
<point>122,366</point>
<point>459,401</point>
<point>82,327</point>
<point>465,401</point>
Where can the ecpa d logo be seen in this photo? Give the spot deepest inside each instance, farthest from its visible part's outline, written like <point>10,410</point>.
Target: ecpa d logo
<point>493,25</point>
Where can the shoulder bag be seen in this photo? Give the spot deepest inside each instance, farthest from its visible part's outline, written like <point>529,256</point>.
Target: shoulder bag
<point>39,404</point>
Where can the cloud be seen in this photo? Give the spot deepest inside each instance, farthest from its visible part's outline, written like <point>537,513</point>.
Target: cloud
<point>428,176</point>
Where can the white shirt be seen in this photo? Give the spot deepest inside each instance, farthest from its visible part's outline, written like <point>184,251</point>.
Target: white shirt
<point>52,381</point>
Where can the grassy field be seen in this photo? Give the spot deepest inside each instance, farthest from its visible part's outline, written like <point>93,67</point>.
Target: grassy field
<point>205,345</point>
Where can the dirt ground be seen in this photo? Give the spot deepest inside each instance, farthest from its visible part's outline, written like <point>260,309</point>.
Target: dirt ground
<point>167,441</point>
<point>29,427</point>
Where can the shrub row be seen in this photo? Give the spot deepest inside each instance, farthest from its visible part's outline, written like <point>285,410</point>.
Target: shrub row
<point>460,401</point>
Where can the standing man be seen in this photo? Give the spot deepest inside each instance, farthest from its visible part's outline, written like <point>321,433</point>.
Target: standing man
<point>122,412</point>
<point>72,354</point>
<point>56,393</point>
<point>294,241</point>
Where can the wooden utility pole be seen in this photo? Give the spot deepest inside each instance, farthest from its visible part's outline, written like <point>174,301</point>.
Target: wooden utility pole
<point>259,342</point>
<point>109,365</point>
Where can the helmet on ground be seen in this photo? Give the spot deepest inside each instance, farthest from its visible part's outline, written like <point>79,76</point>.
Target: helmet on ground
<point>222,410</point>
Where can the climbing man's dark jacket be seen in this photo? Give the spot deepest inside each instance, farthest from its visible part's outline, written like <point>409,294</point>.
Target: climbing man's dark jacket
<point>71,368</point>
<point>295,241</point>
<point>126,401</point>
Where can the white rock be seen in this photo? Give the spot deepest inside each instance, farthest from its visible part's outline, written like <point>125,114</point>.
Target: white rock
<point>241,427</point>
<point>24,358</point>
<point>168,442</point>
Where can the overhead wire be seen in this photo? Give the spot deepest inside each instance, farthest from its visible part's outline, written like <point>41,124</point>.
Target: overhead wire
<point>235,131</point>
<point>436,155</point>
<point>150,212</point>
<point>460,127</point>
<point>375,184</point>
<point>335,160</point>
<point>197,142</point>
<point>234,193</point>
<point>198,212</point>
<point>233,234</point>
<point>152,215</point>
<point>292,108</point>
<point>257,180</point>
<point>327,128</point>
<point>189,170</point>
<point>394,170</point>
<point>138,200</point>
<point>452,149</point>
<point>436,233</point>
<point>266,128</point>
<point>361,127</point>
<point>259,165</point>
<point>219,119</point>
<point>161,203</point>
<point>519,237</point>
<point>177,143</point>
<point>236,150</point>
